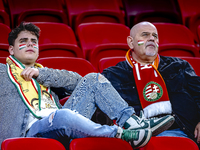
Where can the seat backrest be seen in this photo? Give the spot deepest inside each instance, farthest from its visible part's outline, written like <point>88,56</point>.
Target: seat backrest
<point>3,60</point>
<point>93,34</point>
<point>188,9</point>
<point>109,61</point>
<point>4,50</point>
<point>76,7</point>
<point>99,143</point>
<point>78,65</point>
<point>170,143</point>
<point>57,39</point>
<point>4,30</point>
<point>176,37</point>
<point>194,62</point>
<point>174,33</point>
<point>55,33</point>
<point>107,50</point>
<point>4,17</point>
<point>18,7</point>
<point>152,11</point>
<point>31,144</point>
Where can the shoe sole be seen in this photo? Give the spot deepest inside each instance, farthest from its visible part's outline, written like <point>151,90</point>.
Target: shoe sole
<point>163,126</point>
<point>144,141</point>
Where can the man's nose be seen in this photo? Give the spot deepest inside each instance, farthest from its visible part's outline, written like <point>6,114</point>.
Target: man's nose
<point>151,37</point>
<point>30,43</point>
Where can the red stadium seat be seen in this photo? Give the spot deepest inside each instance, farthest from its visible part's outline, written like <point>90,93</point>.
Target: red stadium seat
<point>107,50</point>
<point>109,61</point>
<point>4,30</point>
<point>36,11</point>
<point>31,144</point>
<point>188,9</point>
<point>97,143</point>
<point>60,42</point>
<point>170,143</point>
<point>4,17</point>
<point>3,60</point>
<point>190,15</point>
<point>152,11</point>
<point>176,40</point>
<point>194,62</point>
<point>92,34</point>
<point>78,65</point>
<point>80,11</point>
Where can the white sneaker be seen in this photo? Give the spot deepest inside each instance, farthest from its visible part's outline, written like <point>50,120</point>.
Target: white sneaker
<point>157,125</point>
<point>136,138</point>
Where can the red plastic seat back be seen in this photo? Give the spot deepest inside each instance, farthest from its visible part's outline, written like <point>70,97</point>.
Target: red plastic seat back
<point>3,60</point>
<point>107,50</point>
<point>152,11</point>
<point>188,9</point>
<point>78,65</point>
<point>194,62</point>
<point>93,34</point>
<point>57,40</point>
<point>32,11</point>
<point>4,17</point>
<point>170,143</point>
<point>94,7</point>
<point>55,33</point>
<point>31,144</point>
<point>177,39</point>
<point>4,31</point>
<point>109,61</point>
<point>95,143</point>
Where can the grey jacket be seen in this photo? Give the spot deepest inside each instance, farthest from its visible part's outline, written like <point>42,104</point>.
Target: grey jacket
<point>13,112</point>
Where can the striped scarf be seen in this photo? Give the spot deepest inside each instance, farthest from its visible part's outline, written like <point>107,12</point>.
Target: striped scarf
<point>35,96</point>
<point>151,87</point>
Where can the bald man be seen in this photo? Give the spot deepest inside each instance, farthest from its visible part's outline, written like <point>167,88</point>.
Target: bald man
<point>156,84</point>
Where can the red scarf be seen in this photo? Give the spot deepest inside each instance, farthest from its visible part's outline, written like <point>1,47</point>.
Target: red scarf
<point>150,85</point>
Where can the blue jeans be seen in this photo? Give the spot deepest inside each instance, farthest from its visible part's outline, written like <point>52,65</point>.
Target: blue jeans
<point>175,132</point>
<point>73,120</point>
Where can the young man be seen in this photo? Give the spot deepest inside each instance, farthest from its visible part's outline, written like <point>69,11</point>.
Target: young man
<point>154,83</point>
<point>27,111</point>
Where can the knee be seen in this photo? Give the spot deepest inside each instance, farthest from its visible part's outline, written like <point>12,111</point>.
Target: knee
<point>102,79</point>
<point>96,77</point>
<point>91,76</point>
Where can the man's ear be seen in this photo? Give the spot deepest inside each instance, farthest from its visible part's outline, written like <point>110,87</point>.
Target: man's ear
<point>130,42</point>
<point>11,50</point>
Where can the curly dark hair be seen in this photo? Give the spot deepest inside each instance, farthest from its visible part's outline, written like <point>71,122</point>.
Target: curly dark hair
<point>23,27</point>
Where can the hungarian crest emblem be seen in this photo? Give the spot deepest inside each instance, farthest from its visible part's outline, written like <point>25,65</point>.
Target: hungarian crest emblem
<point>152,91</point>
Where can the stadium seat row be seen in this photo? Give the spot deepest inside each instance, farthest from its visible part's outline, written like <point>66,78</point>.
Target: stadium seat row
<point>75,12</point>
<point>98,143</point>
<point>94,41</point>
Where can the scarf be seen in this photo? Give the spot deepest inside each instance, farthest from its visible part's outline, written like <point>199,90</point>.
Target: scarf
<point>35,96</point>
<point>151,87</point>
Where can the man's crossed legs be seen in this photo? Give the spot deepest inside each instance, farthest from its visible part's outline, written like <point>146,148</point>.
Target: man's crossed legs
<point>73,120</point>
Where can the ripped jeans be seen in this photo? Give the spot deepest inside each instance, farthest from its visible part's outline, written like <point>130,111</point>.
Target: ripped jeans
<point>73,120</point>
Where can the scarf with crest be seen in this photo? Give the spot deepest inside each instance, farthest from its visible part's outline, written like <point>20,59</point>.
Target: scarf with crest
<point>151,87</point>
<point>35,96</point>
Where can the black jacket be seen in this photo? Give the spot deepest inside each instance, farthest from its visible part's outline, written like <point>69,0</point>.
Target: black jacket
<point>182,83</point>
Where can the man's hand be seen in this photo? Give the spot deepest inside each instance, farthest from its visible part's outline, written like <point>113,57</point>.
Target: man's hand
<point>29,73</point>
<point>197,132</point>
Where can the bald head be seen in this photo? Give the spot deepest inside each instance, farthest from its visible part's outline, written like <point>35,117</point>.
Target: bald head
<point>136,27</point>
<point>143,41</point>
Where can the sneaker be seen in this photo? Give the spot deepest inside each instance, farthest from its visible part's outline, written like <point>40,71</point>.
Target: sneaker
<point>157,125</point>
<point>136,138</point>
